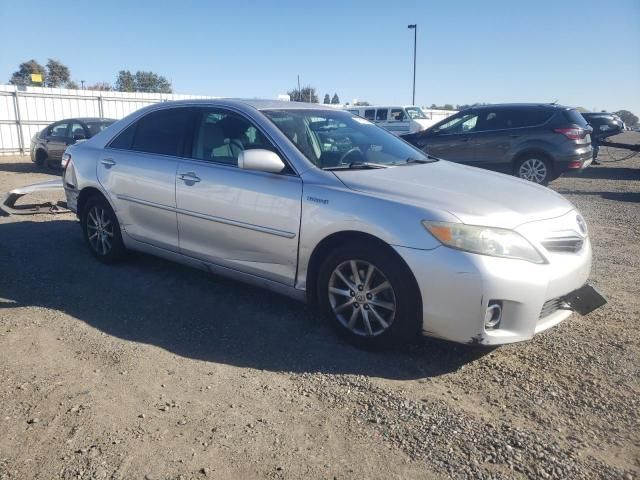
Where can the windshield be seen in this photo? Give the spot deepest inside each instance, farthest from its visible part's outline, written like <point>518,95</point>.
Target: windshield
<point>415,113</point>
<point>97,127</point>
<point>337,138</point>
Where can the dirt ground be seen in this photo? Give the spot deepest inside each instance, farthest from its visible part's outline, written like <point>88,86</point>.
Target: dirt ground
<point>152,370</point>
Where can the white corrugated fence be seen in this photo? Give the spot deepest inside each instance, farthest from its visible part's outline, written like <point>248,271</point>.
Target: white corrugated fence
<point>24,111</point>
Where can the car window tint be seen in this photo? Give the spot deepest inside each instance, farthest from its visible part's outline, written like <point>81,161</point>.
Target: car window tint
<point>59,130</point>
<point>124,139</point>
<point>397,115</point>
<point>573,116</point>
<point>495,120</point>
<point>220,136</point>
<point>161,132</point>
<point>370,114</point>
<point>381,114</point>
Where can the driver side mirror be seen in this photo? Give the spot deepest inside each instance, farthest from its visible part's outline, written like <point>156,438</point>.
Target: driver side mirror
<point>260,160</point>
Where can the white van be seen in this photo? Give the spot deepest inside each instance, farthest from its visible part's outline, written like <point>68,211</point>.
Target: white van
<point>398,119</point>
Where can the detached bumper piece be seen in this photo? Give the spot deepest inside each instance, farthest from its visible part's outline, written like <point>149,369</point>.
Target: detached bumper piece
<point>8,205</point>
<point>584,300</point>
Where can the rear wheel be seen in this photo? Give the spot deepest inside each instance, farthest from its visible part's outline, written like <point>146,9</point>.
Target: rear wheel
<point>369,296</point>
<point>535,169</point>
<point>102,230</point>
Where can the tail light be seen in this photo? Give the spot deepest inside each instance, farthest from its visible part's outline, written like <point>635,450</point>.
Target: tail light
<point>66,158</point>
<point>572,133</point>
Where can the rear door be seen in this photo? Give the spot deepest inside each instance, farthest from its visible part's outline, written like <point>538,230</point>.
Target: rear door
<point>57,140</point>
<point>453,139</point>
<point>240,219</point>
<point>138,171</point>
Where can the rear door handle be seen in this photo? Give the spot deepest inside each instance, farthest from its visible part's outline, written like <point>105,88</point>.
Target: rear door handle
<point>189,177</point>
<point>108,162</point>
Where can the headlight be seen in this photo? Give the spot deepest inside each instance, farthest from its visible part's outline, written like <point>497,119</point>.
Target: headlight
<point>496,242</point>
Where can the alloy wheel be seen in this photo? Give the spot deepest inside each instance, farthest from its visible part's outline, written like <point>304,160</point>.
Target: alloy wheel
<point>362,298</point>
<point>100,230</point>
<point>533,169</point>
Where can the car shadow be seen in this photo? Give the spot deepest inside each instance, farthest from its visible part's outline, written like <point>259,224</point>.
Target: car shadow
<point>192,313</point>
<point>27,167</point>
<point>606,172</point>
<point>633,197</point>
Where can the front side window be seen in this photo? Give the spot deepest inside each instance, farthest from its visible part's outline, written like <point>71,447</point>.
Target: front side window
<point>333,139</point>
<point>462,123</point>
<point>161,132</point>
<point>220,136</point>
<point>59,130</point>
<point>415,113</point>
<point>397,115</point>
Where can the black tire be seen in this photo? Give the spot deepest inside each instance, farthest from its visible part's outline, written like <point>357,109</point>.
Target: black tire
<point>98,220</point>
<point>405,323</point>
<point>41,158</point>
<point>535,168</point>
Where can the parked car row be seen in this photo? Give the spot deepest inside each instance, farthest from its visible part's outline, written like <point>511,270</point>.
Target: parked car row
<point>48,145</point>
<point>316,203</point>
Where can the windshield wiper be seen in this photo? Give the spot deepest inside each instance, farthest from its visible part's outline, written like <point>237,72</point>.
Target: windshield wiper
<point>356,166</point>
<point>429,159</point>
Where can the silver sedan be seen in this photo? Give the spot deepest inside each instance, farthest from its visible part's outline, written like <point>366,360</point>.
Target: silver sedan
<point>324,206</point>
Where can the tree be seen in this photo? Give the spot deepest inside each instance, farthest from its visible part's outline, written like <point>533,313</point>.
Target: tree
<point>57,74</point>
<point>100,86</point>
<point>335,100</point>
<point>306,94</point>
<point>151,82</point>
<point>71,84</point>
<point>125,82</point>
<point>627,117</point>
<point>23,75</point>
<point>327,99</point>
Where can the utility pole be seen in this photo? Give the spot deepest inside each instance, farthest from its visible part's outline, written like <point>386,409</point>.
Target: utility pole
<point>82,83</point>
<point>414,27</point>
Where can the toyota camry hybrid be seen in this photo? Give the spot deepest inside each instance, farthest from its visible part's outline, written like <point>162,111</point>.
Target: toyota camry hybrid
<point>324,206</point>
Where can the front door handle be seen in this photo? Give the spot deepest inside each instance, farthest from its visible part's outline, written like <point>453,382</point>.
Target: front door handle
<point>189,177</point>
<point>108,162</point>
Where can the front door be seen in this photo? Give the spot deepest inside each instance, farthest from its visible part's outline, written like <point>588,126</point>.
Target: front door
<point>138,171</point>
<point>240,219</point>
<point>454,140</point>
<point>57,140</point>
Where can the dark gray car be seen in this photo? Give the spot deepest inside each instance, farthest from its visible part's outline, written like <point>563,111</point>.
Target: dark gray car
<point>536,142</point>
<point>48,145</point>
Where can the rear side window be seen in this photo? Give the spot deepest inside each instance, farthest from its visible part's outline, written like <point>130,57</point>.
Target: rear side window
<point>573,116</point>
<point>161,132</point>
<point>506,118</point>
<point>370,114</point>
<point>125,139</point>
<point>381,115</point>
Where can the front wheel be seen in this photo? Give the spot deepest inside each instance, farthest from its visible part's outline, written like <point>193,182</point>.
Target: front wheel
<point>102,230</point>
<point>534,169</point>
<point>369,296</point>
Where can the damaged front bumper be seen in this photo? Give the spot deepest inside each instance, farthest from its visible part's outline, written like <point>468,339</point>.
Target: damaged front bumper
<point>9,206</point>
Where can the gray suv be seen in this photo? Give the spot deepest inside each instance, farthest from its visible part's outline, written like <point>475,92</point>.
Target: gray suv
<point>536,142</point>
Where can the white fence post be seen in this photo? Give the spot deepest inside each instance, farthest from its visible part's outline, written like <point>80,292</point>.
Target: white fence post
<point>16,109</point>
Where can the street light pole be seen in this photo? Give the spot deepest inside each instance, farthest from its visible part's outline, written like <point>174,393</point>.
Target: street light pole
<point>414,27</point>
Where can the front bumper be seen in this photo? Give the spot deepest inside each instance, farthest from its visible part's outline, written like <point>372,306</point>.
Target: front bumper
<point>457,288</point>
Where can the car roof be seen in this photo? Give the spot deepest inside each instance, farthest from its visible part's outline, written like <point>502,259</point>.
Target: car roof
<point>258,104</point>
<point>93,119</point>
<point>522,105</point>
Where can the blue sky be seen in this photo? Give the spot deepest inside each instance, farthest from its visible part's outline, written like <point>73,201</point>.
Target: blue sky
<point>580,53</point>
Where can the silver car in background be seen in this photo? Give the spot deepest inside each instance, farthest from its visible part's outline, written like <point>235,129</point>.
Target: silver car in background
<point>321,205</point>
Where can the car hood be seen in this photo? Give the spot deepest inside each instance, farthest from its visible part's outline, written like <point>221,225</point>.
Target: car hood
<point>475,196</point>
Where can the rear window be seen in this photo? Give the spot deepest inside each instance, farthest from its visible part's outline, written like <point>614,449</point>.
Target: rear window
<point>573,116</point>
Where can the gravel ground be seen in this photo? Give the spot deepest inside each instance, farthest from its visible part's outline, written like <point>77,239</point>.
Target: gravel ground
<point>153,370</point>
